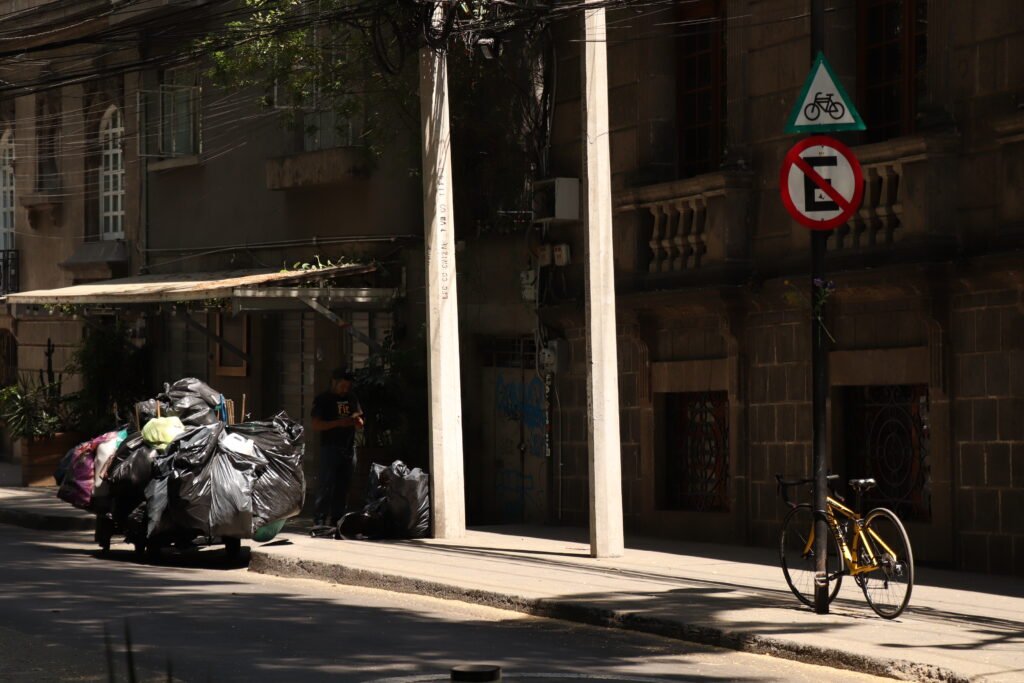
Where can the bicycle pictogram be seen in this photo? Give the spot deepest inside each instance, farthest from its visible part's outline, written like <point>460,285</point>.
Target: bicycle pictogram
<point>823,102</point>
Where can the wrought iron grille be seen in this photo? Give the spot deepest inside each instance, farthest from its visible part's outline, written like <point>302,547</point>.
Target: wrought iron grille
<point>890,441</point>
<point>697,458</point>
<point>8,271</point>
<point>8,358</point>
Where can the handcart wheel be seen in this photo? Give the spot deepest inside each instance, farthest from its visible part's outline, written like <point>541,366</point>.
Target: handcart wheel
<point>233,547</point>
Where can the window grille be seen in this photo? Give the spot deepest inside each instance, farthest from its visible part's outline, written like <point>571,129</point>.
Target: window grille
<point>696,458</point>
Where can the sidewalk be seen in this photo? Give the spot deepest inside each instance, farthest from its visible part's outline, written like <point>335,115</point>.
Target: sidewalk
<point>958,627</point>
<point>39,508</point>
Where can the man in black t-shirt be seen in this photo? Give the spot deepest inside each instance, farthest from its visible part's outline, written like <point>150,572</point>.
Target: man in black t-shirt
<point>336,415</point>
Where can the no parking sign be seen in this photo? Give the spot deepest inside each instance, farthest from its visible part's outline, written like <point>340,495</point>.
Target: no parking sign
<point>821,183</point>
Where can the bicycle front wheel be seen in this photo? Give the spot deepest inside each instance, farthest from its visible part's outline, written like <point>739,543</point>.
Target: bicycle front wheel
<point>796,551</point>
<point>888,586</point>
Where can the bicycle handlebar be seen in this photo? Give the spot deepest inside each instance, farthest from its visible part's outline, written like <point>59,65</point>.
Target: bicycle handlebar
<point>784,484</point>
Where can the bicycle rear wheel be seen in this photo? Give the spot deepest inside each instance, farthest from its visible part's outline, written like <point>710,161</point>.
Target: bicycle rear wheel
<point>796,551</point>
<point>887,588</point>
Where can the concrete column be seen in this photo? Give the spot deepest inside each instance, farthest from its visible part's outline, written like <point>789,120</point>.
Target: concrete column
<point>448,507</point>
<point>606,539</point>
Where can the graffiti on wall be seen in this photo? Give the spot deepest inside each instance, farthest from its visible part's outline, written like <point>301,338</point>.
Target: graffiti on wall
<point>523,402</point>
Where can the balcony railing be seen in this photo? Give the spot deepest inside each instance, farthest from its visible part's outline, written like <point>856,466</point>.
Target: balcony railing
<point>907,193</point>
<point>9,271</point>
<point>691,224</point>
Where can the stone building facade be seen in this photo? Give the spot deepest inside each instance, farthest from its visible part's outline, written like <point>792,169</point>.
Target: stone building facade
<point>130,161</point>
<point>712,274</point>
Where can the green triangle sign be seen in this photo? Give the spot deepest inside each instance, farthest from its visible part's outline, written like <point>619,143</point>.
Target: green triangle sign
<point>823,104</point>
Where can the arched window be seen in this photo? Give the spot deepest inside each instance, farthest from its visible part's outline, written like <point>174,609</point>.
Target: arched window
<point>7,190</point>
<point>112,175</point>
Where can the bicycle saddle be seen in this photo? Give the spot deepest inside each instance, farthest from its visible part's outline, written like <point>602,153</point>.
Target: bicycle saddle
<point>862,484</point>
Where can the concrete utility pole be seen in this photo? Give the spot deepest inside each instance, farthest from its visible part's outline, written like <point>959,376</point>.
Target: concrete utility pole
<point>606,538</point>
<point>447,501</point>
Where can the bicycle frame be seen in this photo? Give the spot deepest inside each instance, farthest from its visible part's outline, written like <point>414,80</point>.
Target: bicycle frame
<point>860,538</point>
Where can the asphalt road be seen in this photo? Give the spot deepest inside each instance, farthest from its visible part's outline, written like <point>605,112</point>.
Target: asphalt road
<point>213,621</point>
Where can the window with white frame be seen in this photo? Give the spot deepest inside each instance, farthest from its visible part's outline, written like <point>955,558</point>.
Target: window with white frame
<point>112,175</point>
<point>7,190</point>
<point>179,112</point>
<point>170,115</point>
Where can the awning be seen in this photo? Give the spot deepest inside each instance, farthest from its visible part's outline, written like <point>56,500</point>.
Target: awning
<point>243,290</point>
<point>179,287</point>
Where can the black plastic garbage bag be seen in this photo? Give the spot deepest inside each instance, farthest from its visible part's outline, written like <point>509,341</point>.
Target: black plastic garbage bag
<point>184,463</point>
<point>193,411</point>
<point>408,500</point>
<point>131,467</point>
<point>217,499</point>
<point>231,487</point>
<point>157,500</point>
<point>148,410</point>
<point>276,449</point>
<point>398,504</point>
<point>190,386</point>
<point>193,449</point>
<point>358,525</point>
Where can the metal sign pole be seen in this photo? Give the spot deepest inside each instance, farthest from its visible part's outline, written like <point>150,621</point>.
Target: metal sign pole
<point>819,367</point>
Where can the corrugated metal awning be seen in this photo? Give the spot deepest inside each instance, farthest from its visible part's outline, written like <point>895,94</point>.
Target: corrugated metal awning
<point>175,287</point>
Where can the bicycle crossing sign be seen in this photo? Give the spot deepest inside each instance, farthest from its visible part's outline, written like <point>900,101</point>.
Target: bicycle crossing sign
<point>821,183</point>
<point>823,104</point>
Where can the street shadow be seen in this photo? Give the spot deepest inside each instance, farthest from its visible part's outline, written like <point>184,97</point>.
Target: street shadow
<point>986,632</point>
<point>551,560</point>
<point>570,534</point>
<point>229,626</point>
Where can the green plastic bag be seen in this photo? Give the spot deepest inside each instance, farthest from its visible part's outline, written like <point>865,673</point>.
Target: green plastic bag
<point>268,531</point>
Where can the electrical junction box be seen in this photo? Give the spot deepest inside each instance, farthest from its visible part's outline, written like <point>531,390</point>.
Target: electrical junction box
<point>544,255</point>
<point>560,254</point>
<point>556,200</point>
<point>554,357</point>
<point>528,284</point>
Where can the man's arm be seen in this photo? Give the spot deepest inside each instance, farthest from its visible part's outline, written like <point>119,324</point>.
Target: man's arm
<point>319,425</point>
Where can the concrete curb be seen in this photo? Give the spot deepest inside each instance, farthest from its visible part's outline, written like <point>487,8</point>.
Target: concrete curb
<point>276,565</point>
<point>44,522</point>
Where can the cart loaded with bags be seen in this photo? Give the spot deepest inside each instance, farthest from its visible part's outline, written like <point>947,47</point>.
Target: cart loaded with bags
<point>187,473</point>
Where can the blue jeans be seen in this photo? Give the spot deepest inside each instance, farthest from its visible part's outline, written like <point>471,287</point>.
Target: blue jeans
<point>335,481</point>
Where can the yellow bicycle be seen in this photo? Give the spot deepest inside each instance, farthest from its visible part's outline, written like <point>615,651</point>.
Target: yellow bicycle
<point>874,549</point>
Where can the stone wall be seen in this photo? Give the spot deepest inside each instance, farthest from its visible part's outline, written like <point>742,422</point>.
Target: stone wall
<point>779,412</point>
<point>988,419</point>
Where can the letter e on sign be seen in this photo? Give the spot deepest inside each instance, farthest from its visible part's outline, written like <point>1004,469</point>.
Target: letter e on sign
<point>821,183</point>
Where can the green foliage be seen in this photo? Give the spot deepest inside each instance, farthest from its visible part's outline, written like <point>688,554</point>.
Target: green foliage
<point>34,410</point>
<point>114,374</point>
<point>302,56</point>
<point>294,57</point>
<point>321,264</point>
<point>392,390</point>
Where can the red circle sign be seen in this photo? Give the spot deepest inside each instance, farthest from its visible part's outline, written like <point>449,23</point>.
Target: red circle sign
<point>821,183</point>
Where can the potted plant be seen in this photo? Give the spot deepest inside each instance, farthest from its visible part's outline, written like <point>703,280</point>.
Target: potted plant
<point>40,421</point>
